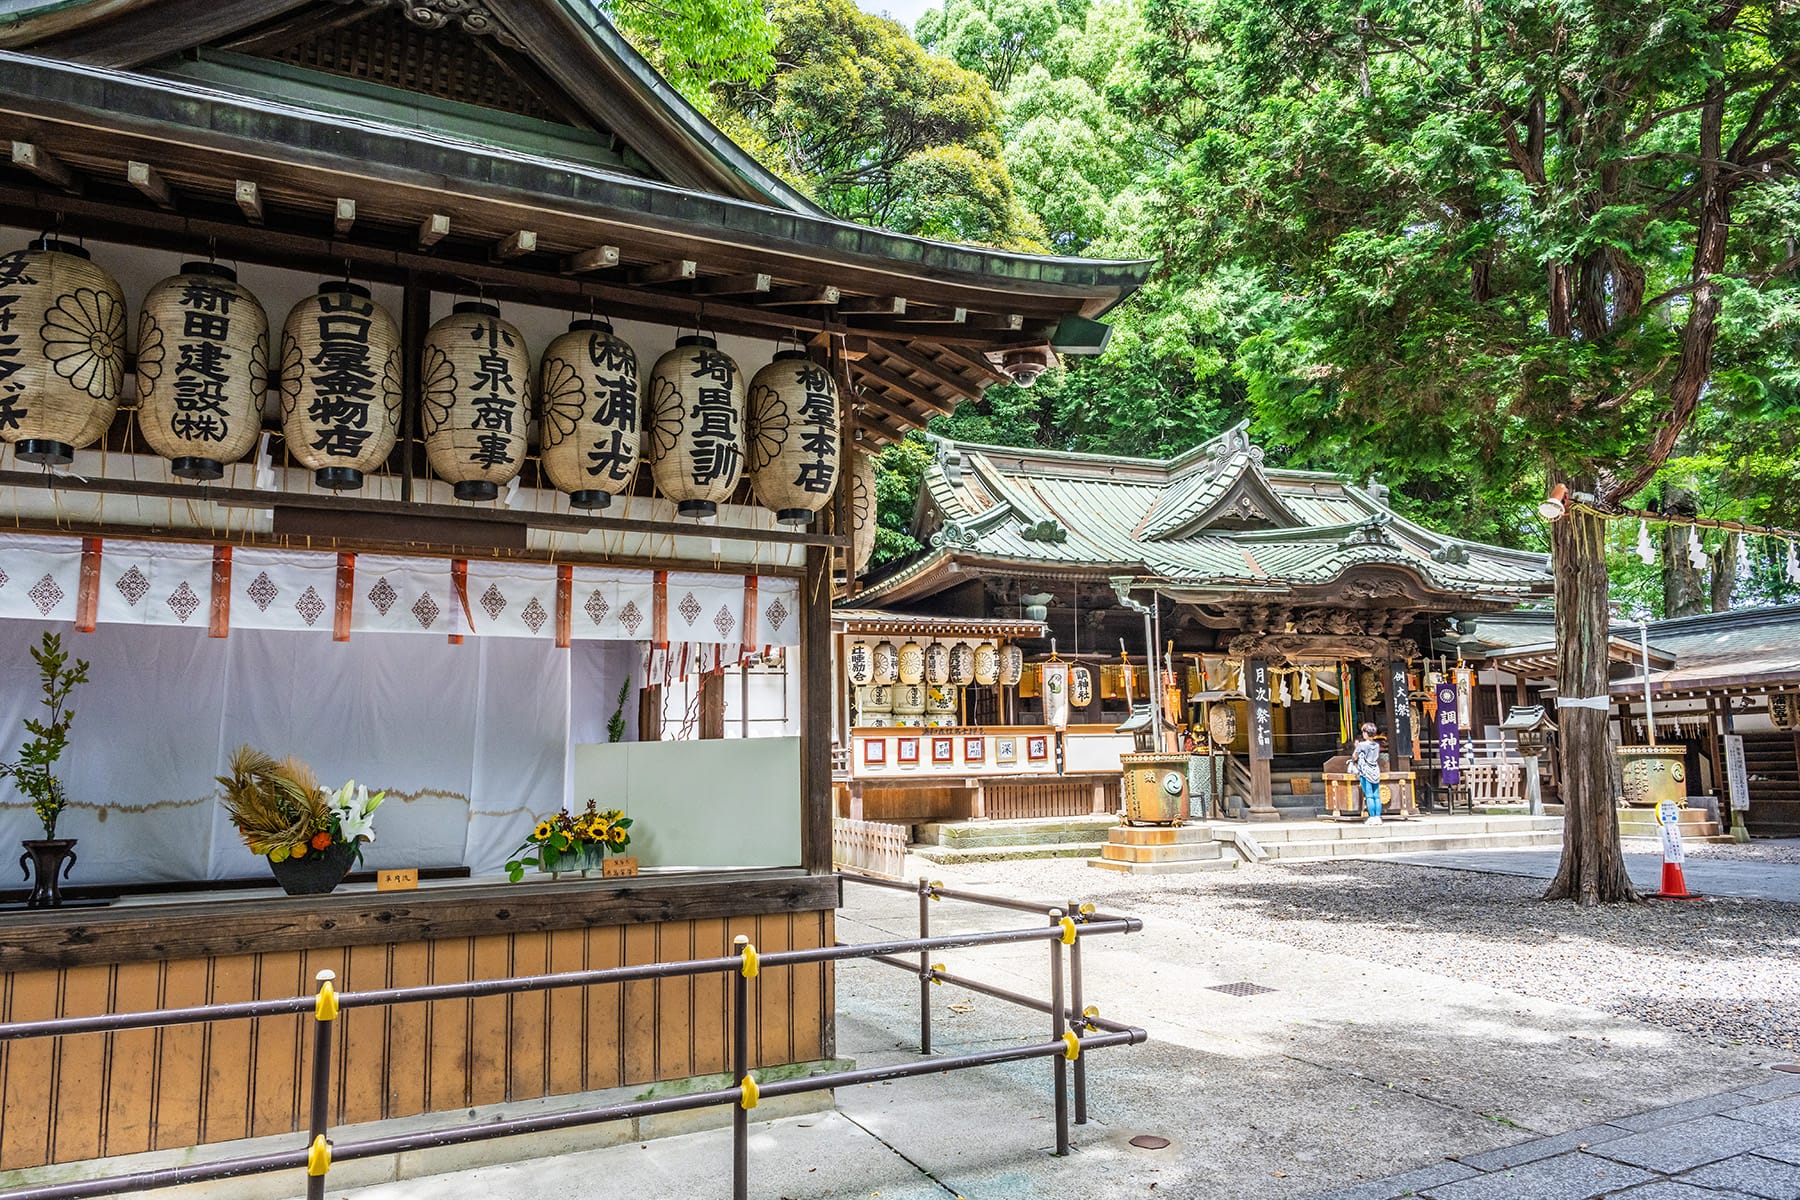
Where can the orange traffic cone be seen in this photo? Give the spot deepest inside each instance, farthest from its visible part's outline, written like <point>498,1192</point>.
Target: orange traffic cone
<point>1674,885</point>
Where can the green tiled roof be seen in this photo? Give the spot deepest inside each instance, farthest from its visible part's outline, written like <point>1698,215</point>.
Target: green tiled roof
<point>1216,518</point>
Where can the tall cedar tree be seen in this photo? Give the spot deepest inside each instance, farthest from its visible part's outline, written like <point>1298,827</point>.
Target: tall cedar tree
<point>1512,225</point>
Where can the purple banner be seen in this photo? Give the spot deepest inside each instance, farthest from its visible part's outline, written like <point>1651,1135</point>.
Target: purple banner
<point>1449,746</point>
<point>1262,715</point>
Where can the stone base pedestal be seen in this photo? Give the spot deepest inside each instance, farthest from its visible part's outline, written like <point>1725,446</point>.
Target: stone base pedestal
<point>1162,850</point>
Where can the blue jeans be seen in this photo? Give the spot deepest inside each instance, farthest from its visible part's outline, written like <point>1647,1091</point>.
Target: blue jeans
<point>1371,789</point>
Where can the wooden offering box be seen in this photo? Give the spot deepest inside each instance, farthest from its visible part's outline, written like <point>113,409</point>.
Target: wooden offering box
<point>1344,799</point>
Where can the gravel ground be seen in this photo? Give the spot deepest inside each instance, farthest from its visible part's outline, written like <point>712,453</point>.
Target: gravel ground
<point>1719,969</point>
<point>1773,850</point>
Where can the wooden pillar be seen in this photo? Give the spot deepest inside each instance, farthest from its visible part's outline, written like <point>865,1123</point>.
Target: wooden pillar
<point>815,712</point>
<point>650,714</point>
<point>712,705</point>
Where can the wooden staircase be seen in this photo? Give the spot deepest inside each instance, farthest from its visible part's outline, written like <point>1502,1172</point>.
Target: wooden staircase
<point>1774,778</point>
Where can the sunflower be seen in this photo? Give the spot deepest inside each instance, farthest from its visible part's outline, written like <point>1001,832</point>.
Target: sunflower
<point>542,832</point>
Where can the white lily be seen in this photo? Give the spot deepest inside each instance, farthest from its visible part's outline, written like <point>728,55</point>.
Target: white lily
<point>355,811</point>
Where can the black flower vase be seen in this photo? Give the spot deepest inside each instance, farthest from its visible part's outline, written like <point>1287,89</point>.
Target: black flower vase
<point>46,863</point>
<point>319,872</point>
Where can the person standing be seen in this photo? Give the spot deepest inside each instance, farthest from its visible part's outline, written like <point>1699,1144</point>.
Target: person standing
<point>1365,760</point>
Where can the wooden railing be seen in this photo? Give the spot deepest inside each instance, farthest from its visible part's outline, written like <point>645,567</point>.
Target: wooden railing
<point>869,847</point>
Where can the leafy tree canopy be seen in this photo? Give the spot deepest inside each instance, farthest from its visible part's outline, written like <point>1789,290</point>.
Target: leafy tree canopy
<point>698,44</point>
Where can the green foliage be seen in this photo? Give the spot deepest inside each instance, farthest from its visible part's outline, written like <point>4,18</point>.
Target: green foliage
<point>898,471</point>
<point>33,772</point>
<point>615,724</point>
<point>877,129</point>
<point>699,44</point>
<point>999,39</point>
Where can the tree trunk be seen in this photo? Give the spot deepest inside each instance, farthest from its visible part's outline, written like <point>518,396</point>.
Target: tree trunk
<point>1684,590</point>
<point>1593,866</point>
<point>1724,573</point>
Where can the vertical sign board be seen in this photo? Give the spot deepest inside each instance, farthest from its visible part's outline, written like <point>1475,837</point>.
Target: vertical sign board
<point>1262,719</point>
<point>1449,745</point>
<point>1400,704</point>
<point>1055,677</point>
<point>1465,697</point>
<point>1668,819</point>
<point>1738,781</point>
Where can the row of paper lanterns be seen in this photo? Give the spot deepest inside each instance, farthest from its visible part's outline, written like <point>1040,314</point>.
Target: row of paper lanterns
<point>934,663</point>
<point>203,369</point>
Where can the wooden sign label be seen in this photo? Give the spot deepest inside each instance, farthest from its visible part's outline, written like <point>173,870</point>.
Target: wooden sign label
<point>618,868</point>
<point>397,880</point>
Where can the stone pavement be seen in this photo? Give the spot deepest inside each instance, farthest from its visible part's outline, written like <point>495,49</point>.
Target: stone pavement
<point>1737,1145</point>
<point>1750,880</point>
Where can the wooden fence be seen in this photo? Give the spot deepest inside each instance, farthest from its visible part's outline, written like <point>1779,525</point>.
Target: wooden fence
<point>869,847</point>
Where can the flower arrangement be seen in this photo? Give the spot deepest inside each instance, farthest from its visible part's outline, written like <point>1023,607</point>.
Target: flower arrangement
<point>284,815</point>
<point>572,841</point>
<point>38,756</point>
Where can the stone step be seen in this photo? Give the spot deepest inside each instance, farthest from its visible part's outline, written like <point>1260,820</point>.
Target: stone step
<point>981,854</point>
<point>1192,852</point>
<point>1187,867</point>
<point>1030,831</point>
<point>1414,843</point>
<point>1272,834</point>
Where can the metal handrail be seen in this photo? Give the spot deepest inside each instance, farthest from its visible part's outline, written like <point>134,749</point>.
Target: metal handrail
<point>320,1152</point>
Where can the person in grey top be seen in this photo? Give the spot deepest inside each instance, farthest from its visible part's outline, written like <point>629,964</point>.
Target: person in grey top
<point>1365,760</point>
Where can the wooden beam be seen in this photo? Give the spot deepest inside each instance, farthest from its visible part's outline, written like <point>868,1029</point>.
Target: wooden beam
<point>803,294</point>
<point>252,498</point>
<point>668,272</point>
<point>906,387</point>
<point>754,283</point>
<point>516,244</point>
<point>918,364</point>
<point>145,179</point>
<point>1008,322</point>
<point>343,218</point>
<point>975,361</point>
<point>594,258</point>
<point>29,156</point>
<point>936,314</point>
<point>886,415</point>
<point>433,229</point>
<point>879,306</point>
<point>945,333</point>
<point>249,200</point>
<point>816,693</point>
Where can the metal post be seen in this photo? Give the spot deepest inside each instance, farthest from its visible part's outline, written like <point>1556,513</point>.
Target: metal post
<point>325,1011</point>
<point>740,1067</point>
<point>924,967</point>
<point>1644,652</point>
<point>1080,1019</point>
<point>1058,1011</point>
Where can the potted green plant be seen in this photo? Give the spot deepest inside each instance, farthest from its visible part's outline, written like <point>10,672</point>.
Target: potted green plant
<point>50,858</point>
<point>311,835</point>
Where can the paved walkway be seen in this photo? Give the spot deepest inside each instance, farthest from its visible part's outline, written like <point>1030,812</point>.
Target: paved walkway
<point>1749,880</point>
<point>1738,1145</point>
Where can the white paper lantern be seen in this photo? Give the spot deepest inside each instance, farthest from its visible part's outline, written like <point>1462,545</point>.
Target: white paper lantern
<point>937,664</point>
<point>1081,687</point>
<point>1012,665</point>
<point>962,664</point>
<point>696,414</point>
<point>987,663</point>
<point>476,413</point>
<point>592,413</point>
<point>340,384</point>
<point>62,350</point>
<point>861,665</point>
<point>911,665</point>
<point>202,369</point>
<point>793,437</point>
<point>886,663</point>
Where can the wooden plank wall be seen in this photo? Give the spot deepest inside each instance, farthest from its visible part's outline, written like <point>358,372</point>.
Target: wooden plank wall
<point>1054,798</point>
<point>98,1095</point>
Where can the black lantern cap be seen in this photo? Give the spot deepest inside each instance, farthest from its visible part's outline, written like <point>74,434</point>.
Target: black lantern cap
<point>696,508</point>
<point>58,246</point>
<point>785,355</point>
<point>45,452</point>
<point>216,270</point>
<point>589,498</point>
<point>476,489</point>
<point>343,285</point>
<point>590,325</point>
<point>192,467</point>
<point>698,339</point>
<point>480,307</point>
<point>794,516</point>
<point>339,479</point>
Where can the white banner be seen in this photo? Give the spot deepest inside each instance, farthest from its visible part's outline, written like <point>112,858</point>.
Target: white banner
<point>155,583</point>
<point>512,599</point>
<point>777,611</point>
<point>705,607</point>
<point>405,595</point>
<point>611,604</point>
<point>39,577</point>
<point>283,589</point>
<point>1056,694</point>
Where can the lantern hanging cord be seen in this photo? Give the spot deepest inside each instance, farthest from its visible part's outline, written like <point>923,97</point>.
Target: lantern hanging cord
<point>1644,514</point>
